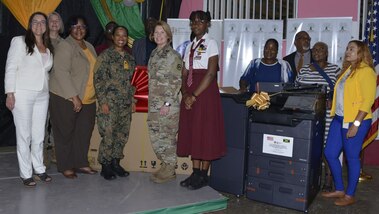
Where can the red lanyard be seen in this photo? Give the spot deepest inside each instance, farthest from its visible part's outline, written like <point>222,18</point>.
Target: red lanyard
<point>192,52</point>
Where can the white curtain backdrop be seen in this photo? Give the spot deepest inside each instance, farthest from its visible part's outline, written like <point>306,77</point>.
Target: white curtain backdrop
<point>335,32</point>
<point>241,40</point>
<point>244,41</point>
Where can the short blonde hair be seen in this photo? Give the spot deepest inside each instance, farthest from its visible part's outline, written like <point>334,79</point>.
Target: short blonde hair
<point>166,28</point>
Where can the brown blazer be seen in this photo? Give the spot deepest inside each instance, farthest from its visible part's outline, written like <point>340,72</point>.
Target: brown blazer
<point>71,69</point>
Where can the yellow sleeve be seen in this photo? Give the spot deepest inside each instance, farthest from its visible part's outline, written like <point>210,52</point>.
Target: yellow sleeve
<point>367,86</point>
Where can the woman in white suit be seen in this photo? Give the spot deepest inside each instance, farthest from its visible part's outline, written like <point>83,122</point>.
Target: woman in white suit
<point>26,85</point>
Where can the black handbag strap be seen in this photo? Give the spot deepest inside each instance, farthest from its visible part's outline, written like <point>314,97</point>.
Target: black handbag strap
<point>323,74</point>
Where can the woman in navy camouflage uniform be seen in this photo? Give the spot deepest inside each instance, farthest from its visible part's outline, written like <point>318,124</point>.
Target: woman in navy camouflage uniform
<point>114,92</point>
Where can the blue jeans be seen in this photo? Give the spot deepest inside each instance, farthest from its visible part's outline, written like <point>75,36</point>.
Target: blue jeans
<point>335,143</point>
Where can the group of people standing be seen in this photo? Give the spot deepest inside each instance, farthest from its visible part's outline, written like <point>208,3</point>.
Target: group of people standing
<point>65,77</point>
<point>350,93</point>
<point>45,71</point>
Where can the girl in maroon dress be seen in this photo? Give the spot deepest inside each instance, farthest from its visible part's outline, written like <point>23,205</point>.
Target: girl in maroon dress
<point>201,123</point>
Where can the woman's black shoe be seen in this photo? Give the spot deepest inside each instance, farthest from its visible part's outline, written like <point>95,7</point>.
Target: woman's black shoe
<point>187,181</point>
<point>43,177</point>
<point>106,172</point>
<point>198,182</point>
<point>29,182</point>
<point>116,168</point>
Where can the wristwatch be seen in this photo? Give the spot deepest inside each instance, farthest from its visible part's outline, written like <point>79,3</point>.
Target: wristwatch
<point>167,104</point>
<point>357,123</point>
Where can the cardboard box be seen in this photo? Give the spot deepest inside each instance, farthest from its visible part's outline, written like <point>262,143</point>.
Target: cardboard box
<point>139,155</point>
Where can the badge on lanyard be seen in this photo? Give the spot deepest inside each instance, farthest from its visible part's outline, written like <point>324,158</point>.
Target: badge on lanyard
<point>201,50</point>
<point>126,65</point>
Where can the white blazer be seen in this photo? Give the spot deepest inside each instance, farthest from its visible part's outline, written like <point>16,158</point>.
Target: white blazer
<point>24,71</point>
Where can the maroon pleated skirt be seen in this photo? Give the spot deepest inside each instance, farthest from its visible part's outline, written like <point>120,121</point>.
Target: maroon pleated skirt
<point>201,129</point>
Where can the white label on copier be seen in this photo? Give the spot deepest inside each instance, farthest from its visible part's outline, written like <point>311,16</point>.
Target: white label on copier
<point>277,145</point>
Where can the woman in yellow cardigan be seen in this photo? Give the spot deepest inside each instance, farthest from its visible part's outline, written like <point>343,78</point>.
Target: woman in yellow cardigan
<point>72,99</point>
<point>353,97</point>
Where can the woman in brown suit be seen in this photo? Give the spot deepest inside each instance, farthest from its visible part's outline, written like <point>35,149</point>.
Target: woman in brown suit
<point>72,99</point>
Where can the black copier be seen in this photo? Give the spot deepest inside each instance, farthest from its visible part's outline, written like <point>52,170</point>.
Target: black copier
<point>285,147</point>
<point>273,156</point>
<point>228,174</point>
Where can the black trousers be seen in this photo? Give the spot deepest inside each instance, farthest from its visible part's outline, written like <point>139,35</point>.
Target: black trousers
<point>72,132</point>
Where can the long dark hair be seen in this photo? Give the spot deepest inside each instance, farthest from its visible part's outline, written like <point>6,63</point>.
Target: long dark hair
<point>30,39</point>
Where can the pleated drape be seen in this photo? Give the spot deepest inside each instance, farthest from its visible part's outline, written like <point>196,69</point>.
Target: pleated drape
<point>22,9</point>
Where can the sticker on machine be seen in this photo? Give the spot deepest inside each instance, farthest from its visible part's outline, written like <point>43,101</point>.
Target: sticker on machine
<point>277,145</point>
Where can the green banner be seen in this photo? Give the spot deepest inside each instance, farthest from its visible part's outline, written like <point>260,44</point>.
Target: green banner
<point>130,17</point>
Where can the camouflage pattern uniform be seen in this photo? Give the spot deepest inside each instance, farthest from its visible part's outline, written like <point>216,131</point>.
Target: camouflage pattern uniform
<point>113,73</point>
<point>165,67</point>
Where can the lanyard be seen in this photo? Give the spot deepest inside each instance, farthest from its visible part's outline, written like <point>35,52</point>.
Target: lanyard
<point>192,52</point>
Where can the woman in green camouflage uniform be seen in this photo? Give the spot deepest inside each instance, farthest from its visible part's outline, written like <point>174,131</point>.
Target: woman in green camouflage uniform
<point>165,66</point>
<point>113,72</point>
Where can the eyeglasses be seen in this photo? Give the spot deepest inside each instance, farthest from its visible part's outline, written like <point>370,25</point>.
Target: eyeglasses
<point>81,27</point>
<point>197,22</point>
<point>35,22</point>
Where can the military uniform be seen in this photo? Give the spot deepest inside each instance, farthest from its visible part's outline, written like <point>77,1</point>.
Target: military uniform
<point>113,73</point>
<point>165,67</point>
